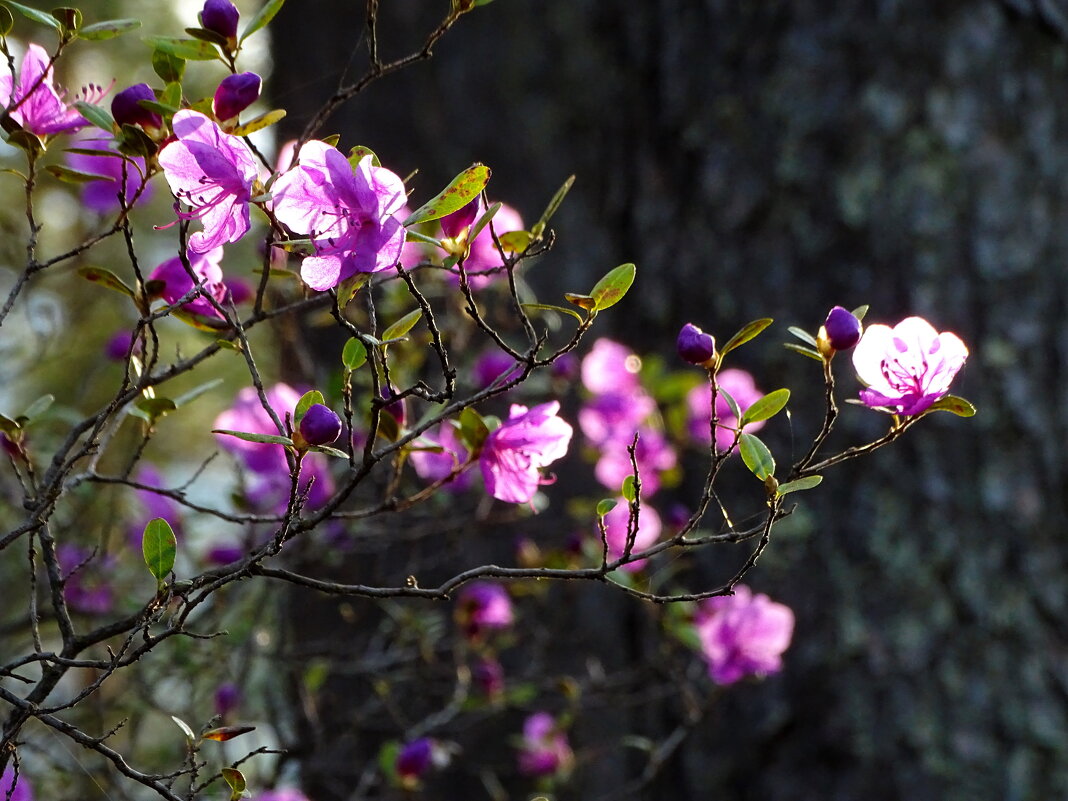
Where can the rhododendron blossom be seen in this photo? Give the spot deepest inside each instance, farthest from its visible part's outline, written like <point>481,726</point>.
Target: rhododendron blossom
<point>615,527</point>
<point>743,634</point>
<point>483,606</point>
<point>544,750</point>
<point>652,452</point>
<point>35,104</point>
<point>269,483</point>
<point>15,791</point>
<point>213,173</point>
<point>739,385</point>
<point>610,367</point>
<point>177,282</point>
<point>436,465</point>
<point>908,367</point>
<point>347,212</point>
<point>525,442</point>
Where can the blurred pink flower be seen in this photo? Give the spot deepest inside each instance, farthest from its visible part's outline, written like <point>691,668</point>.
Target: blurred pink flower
<point>22,791</point>
<point>740,385</point>
<point>613,417</point>
<point>86,588</point>
<point>177,283</point>
<point>908,367</point>
<point>610,367</point>
<point>103,196</point>
<point>348,214</point>
<point>653,454</point>
<point>526,441</point>
<point>544,750</point>
<point>269,480</point>
<point>483,606</point>
<point>432,466</point>
<point>743,635</point>
<point>213,173</point>
<point>615,526</point>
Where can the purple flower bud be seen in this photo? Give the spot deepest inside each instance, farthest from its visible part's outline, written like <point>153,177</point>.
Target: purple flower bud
<point>488,676</point>
<point>235,94</point>
<point>843,329</point>
<point>225,554</point>
<point>118,346</point>
<point>695,346</point>
<point>452,225</point>
<point>220,16</point>
<point>415,759</point>
<point>241,291</point>
<point>566,367</point>
<point>320,426</point>
<point>398,408</point>
<point>127,110</point>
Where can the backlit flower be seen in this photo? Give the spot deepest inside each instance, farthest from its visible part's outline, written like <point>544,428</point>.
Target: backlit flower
<point>22,791</point>
<point>544,750</point>
<point>212,173</point>
<point>347,212</point>
<point>103,196</point>
<point>739,385</point>
<point>615,527</point>
<point>483,606</point>
<point>435,465</point>
<point>177,283</point>
<point>525,442</point>
<point>35,104</point>
<point>743,635</point>
<point>908,367</point>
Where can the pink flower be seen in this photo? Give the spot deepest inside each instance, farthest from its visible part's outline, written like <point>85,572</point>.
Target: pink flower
<point>433,466</point>
<point>38,107</point>
<point>213,173</point>
<point>86,589</point>
<point>908,367</point>
<point>653,454</point>
<point>525,442</point>
<point>482,253</point>
<point>177,283</point>
<point>282,794</point>
<point>483,606</point>
<point>740,385</point>
<point>545,750</point>
<point>22,791</point>
<point>348,214</point>
<point>103,196</point>
<point>613,417</point>
<point>269,480</point>
<point>610,367</point>
<point>615,527</point>
<point>743,635</point>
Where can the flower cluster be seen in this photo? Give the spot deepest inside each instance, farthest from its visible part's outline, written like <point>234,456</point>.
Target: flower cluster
<point>743,635</point>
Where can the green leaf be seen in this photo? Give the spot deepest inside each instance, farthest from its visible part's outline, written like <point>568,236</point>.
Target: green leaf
<point>628,488</point>
<point>236,781</point>
<point>354,354</point>
<point>35,15</point>
<point>168,66</point>
<point>155,408</point>
<point>184,727</point>
<point>348,288</point>
<point>7,425</point>
<point>224,733</point>
<point>803,335</point>
<point>204,35</point>
<point>748,331</point>
<point>171,96</point>
<point>196,392</point>
<point>812,354</point>
<point>549,307</point>
<point>96,115</point>
<point>732,404</point>
<point>330,451</point>
<point>765,408</point>
<point>402,326</point>
<point>860,311</point>
<point>135,142</point>
<point>67,175</point>
<point>36,409</point>
<point>483,221</point>
<point>108,29</point>
<point>954,405</point>
<point>262,17</point>
<point>69,19</point>
<point>606,506</point>
<point>461,190</point>
<point>159,547</point>
<point>585,302</point>
<point>357,153</point>
<point>554,204</point>
<point>473,429</point>
<point>307,400</point>
<point>806,483</point>
<point>25,140</point>
<point>756,456</point>
<point>98,275</point>
<point>259,123</point>
<point>611,289</point>
<point>272,439</point>
<point>188,49</point>
<point>7,22</point>
<point>515,241</point>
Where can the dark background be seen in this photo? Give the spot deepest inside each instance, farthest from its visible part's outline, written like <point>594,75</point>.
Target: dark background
<point>774,159</point>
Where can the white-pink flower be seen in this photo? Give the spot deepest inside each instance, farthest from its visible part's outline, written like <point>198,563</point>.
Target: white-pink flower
<point>908,367</point>
<point>212,173</point>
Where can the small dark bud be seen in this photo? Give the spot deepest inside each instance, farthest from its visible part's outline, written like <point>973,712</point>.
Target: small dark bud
<point>452,225</point>
<point>220,16</point>
<point>235,94</point>
<point>415,759</point>
<point>127,110</point>
<point>320,426</point>
<point>842,329</point>
<point>695,346</point>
